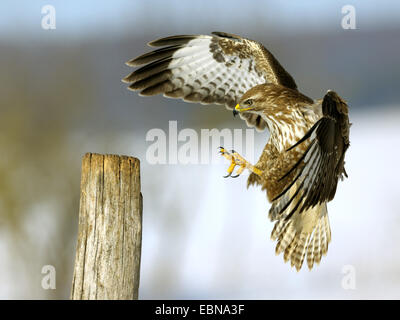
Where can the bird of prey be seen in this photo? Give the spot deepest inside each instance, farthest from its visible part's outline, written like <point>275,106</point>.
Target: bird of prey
<point>304,157</point>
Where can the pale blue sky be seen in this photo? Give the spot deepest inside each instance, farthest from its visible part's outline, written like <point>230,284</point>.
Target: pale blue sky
<point>98,18</point>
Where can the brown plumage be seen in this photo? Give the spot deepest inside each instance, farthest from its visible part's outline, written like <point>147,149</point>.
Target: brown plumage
<point>304,157</point>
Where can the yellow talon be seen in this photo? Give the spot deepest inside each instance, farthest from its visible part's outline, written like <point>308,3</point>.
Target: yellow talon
<point>231,168</point>
<point>237,160</point>
<point>240,170</point>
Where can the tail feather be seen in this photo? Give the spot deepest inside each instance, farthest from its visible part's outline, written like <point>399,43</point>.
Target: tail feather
<point>327,230</point>
<point>317,253</point>
<point>303,235</point>
<point>299,253</point>
<point>285,239</point>
<point>325,239</point>
<point>279,228</point>
<point>289,250</point>
<point>310,250</point>
<point>313,252</point>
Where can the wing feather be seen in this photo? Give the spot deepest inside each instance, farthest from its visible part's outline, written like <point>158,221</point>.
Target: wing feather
<point>321,165</point>
<point>217,68</point>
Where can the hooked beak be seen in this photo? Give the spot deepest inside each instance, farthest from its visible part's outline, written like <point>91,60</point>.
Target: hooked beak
<point>238,108</point>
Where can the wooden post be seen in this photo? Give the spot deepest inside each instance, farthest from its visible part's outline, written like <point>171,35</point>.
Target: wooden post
<point>107,262</point>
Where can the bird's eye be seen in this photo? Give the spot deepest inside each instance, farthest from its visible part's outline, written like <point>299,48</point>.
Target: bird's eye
<point>248,102</point>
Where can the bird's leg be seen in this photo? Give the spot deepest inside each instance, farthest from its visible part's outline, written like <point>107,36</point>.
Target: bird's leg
<point>237,160</point>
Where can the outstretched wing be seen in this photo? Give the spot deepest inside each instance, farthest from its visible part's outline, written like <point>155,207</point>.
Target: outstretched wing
<point>317,171</point>
<point>207,69</point>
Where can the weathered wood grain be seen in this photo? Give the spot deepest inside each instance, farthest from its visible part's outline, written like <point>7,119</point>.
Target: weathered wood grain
<point>107,262</point>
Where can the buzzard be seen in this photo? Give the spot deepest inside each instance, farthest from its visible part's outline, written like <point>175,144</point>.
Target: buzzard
<point>304,157</point>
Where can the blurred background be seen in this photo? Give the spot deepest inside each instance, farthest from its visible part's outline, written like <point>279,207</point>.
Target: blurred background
<point>204,237</point>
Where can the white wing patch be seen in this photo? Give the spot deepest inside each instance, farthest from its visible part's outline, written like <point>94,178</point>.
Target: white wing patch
<point>215,69</point>
<point>194,69</point>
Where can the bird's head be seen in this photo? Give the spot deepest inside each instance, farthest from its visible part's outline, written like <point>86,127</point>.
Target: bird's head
<point>252,101</point>
<point>270,99</point>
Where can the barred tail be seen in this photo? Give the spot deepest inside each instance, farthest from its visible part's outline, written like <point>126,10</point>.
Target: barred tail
<point>305,234</point>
